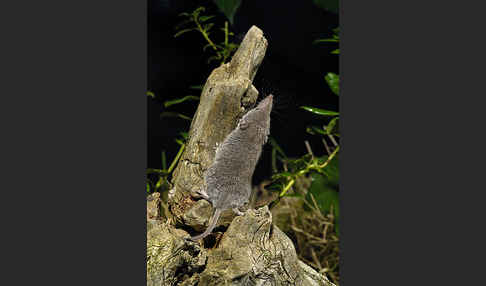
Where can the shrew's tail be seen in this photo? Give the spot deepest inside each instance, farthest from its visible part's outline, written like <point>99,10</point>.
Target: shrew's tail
<point>212,224</point>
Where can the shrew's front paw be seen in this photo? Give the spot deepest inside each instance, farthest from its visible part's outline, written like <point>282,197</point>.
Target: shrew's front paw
<point>238,212</point>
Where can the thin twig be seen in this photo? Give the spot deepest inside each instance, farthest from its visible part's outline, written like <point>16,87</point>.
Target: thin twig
<point>314,257</point>
<point>309,150</point>
<point>326,146</point>
<point>333,140</point>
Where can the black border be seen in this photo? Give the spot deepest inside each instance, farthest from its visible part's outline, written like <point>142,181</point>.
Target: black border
<point>74,102</point>
<point>411,81</point>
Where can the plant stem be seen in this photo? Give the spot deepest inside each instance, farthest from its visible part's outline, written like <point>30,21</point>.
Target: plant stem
<point>164,161</point>
<point>330,158</point>
<point>203,32</point>
<point>156,171</point>
<point>289,185</point>
<point>309,167</point>
<point>226,33</point>
<point>225,55</point>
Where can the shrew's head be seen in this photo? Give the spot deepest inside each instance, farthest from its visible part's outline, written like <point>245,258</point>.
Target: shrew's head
<point>256,122</point>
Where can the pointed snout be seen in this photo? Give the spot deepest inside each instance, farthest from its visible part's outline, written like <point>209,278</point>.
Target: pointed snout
<point>267,102</point>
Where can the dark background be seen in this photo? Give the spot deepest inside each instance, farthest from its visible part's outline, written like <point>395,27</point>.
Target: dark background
<point>293,70</point>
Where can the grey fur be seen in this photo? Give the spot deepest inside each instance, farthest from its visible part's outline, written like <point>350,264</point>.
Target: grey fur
<point>228,179</point>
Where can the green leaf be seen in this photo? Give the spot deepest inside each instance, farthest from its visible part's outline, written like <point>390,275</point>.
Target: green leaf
<point>329,5</point>
<point>332,80</point>
<point>324,194</point>
<point>205,18</point>
<point>228,7</point>
<point>179,100</point>
<point>320,111</point>
<point>326,41</point>
<point>330,128</point>
<point>275,187</point>
<point>184,135</point>
<point>316,130</point>
<point>299,163</point>
<point>208,27</point>
<point>183,31</point>
<point>159,183</point>
<point>177,157</point>
<point>335,52</point>
<point>148,188</point>
<point>151,94</point>
<point>331,171</point>
<point>232,46</point>
<point>198,11</point>
<point>200,87</point>
<point>281,175</point>
<point>332,124</point>
<point>214,58</point>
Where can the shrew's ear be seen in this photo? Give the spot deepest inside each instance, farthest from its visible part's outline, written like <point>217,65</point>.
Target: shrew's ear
<point>243,124</point>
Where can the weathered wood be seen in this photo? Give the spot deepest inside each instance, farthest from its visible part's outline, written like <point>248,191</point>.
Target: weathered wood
<point>251,252</point>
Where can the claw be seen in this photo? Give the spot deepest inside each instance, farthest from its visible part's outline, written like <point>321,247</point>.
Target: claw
<point>202,193</point>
